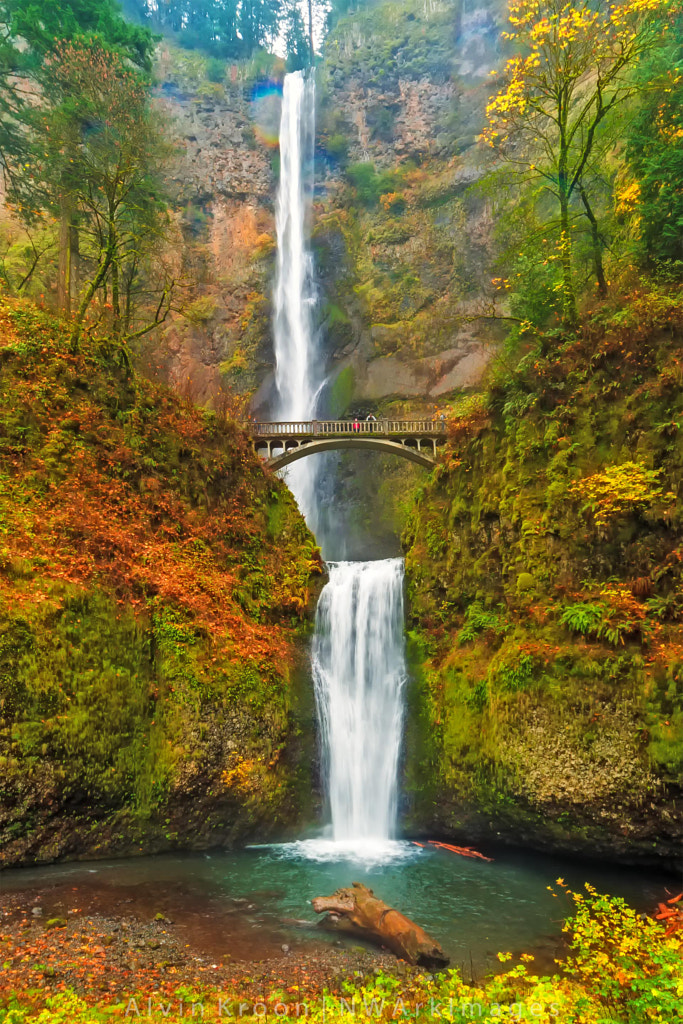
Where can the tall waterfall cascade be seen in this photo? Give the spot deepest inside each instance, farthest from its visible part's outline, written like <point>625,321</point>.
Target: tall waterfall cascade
<point>298,373</point>
<point>358,650</point>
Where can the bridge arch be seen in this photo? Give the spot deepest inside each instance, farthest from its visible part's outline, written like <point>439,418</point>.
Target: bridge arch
<point>403,450</point>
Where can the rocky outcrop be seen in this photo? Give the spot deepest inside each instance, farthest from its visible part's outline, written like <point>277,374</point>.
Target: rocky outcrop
<point>400,80</point>
<point>430,378</point>
<point>155,587</point>
<point>215,347</point>
<point>403,244</point>
<point>402,267</point>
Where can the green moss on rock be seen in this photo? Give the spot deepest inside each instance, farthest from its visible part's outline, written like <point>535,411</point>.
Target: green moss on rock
<point>155,587</point>
<point>544,578</point>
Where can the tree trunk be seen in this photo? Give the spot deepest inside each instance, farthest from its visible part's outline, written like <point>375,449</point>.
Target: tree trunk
<point>74,260</point>
<point>115,300</point>
<point>357,910</point>
<point>106,259</point>
<point>64,267</point>
<point>569,314</point>
<point>596,243</point>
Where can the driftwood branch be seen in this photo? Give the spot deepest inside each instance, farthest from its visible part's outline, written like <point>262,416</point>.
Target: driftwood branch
<point>357,910</point>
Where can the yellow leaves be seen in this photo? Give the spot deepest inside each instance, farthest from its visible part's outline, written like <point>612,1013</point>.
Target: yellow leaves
<point>618,491</point>
<point>627,198</point>
<point>244,774</point>
<point>621,13</point>
<point>557,29</point>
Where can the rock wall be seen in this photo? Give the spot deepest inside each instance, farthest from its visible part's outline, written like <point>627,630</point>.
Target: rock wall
<point>403,261</point>
<point>216,349</point>
<point>403,243</point>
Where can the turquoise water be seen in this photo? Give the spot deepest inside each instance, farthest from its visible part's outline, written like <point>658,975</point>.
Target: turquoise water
<point>247,904</point>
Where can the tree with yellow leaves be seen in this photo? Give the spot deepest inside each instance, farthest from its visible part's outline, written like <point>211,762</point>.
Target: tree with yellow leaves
<point>575,68</point>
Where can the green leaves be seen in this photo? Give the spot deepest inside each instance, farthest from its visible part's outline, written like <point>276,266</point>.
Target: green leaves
<point>585,619</point>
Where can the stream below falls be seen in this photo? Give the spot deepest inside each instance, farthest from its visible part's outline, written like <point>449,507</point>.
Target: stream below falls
<point>247,904</point>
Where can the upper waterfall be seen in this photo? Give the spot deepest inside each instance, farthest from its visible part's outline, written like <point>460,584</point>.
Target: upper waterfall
<point>298,376</point>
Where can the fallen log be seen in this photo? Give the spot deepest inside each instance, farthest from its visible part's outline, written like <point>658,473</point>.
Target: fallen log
<point>464,851</point>
<point>357,910</point>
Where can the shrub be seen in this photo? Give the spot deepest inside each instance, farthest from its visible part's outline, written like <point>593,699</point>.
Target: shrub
<point>624,960</point>
<point>338,147</point>
<point>618,491</point>
<point>480,620</point>
<point>393,202</point>
<point>201,310</point>
<point>370,185</point>
<point>215,69</point>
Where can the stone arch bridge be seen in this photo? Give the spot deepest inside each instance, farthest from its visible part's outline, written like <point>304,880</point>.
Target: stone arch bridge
<point>284,442</point>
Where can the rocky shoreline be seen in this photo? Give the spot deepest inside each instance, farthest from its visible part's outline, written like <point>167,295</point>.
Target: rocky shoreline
<point>51,943</point>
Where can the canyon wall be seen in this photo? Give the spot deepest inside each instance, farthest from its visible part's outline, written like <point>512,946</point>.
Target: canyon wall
<point>402,241</point>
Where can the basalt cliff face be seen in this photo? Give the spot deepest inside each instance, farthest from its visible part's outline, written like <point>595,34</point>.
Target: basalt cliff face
<point>543,560</point>
<point>218,349</point>
<point>402,247</point>
<point>403,241</point>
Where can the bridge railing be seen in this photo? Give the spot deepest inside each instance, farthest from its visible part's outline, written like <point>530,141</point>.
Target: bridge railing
<point>319,428</point>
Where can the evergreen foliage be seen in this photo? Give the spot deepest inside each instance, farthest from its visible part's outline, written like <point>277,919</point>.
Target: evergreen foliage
<point>94,161</point>
<point>655,154</point>
<point>229,29</point>
<point>29,31</point>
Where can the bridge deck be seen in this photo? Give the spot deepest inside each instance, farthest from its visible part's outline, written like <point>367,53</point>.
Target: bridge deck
<point>340,428</point>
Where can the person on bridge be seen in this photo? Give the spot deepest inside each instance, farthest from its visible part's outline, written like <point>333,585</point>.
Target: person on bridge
<point>356,425</point>
<point>371,419</point>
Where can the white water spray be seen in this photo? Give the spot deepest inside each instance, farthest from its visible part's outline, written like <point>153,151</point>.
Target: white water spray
<point>358,656</point>
<point>359,673</point>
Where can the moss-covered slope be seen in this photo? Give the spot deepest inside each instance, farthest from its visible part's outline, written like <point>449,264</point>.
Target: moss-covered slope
<point>153,584</point>
<point>544,566</point>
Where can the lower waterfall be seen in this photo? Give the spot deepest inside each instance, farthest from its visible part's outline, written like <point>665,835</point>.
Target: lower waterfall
<point>359,672</point>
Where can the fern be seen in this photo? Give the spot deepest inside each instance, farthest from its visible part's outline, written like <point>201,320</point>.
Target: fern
<point>597,621</point>
<point>480,620</point>
<point>583,618</point>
